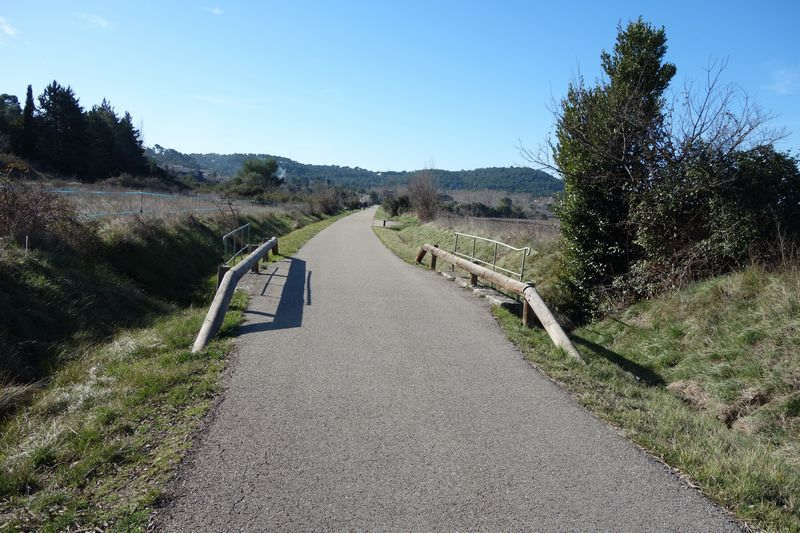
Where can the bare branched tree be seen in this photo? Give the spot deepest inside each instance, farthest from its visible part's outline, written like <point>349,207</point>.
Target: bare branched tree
<point>424,195</point>
<point>717,118</point>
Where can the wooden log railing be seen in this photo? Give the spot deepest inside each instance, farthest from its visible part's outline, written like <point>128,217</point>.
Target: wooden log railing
<point>531,299</point>
<point>225,289</point>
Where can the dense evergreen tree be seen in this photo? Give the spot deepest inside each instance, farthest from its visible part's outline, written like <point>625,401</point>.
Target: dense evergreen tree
<point>101,123</point>
<point>257,177</point>
<point>607,138</point>
<point>90,146</point>
<point>10,111</point>
<point>27,143</point>
<point>10,117</point>
<point>128,150</point>
<point>62,124</point>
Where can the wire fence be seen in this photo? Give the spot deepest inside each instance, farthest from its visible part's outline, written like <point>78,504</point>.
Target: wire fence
<point>96,204</point>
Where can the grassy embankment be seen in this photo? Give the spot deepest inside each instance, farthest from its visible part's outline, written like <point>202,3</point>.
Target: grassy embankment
<point>707,378</point>
<point>92,443</point>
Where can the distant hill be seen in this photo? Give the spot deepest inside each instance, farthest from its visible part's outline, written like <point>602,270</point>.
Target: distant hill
<point>223,166</point>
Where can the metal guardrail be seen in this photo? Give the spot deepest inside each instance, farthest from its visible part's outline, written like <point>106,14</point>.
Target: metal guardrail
<point>235,242</point>
<point>526,251</point>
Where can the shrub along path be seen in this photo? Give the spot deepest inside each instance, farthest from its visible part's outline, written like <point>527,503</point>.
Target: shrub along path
<point>368,394</point>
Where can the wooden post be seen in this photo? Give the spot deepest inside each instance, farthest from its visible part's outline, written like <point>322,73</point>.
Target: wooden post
<point>527,311</point>
<point>421,255</point>
<point>433,258</point>
<point>384,223</point>
<point>251,248</point>
<point>221,270</point>
<point>551,326</point>
<point>473,280</point>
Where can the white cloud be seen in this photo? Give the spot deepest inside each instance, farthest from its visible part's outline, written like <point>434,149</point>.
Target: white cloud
<point>785,81</point>
<point>214,10</point>
<point>7,29</point>
<point>94,20</point>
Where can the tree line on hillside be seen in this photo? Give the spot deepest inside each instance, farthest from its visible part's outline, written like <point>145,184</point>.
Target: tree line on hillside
<point>657,195</point>
<point>260,181</point>
<point>58,133</point>
<point>520,179</point>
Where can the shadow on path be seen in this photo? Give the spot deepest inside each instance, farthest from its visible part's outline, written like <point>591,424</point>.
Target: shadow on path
<point>289,313</point>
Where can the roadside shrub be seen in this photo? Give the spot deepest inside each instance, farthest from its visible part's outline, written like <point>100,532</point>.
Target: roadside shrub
<point>323,200</point>
<point>45,219</point>
<point>13,167</point>
<point>423,195</point>
<point>396,205</point>
<point>711,215</point>
<point>656,196</point>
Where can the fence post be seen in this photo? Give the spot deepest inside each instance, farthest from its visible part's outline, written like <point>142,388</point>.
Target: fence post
<point>473,280</point>
<point>221,270</point>
<point>433,259</point>
<point>255,269</point>
<point>526,314</point>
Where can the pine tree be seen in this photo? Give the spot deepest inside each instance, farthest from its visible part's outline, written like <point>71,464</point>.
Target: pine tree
<point>28,136</point>
<point>62,142</point>
<point>128,150</point>
<point>101,123</point>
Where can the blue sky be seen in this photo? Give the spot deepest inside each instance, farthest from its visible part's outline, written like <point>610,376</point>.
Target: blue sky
<point>375,84</point>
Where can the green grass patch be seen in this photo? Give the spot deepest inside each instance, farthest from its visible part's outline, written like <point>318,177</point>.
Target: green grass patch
<point>708,378</point>
<point>96,445</point>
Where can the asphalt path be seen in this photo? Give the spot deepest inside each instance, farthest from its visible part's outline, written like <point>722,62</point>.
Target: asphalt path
<point>371,395</point>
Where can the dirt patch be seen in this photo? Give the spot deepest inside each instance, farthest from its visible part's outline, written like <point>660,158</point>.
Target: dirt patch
<point>750,400</point>
<point>691,392</point>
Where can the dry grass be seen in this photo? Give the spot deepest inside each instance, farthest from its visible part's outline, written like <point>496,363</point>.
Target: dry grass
<point>97,201</point>
<point>409,235</point>
<point>515,232</point>
<point>532,205</point>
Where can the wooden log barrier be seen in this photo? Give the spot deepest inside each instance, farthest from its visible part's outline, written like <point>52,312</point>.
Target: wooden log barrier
<point>551,325</point>
<point>222,299</point>
<point>532,301</point>
<point>498,279</point>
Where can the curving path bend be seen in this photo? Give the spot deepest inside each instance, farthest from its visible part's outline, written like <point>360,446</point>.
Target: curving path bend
<point>368,394</point>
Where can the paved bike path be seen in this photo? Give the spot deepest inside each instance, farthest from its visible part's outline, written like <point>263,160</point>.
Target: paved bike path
<point>371,395</point>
